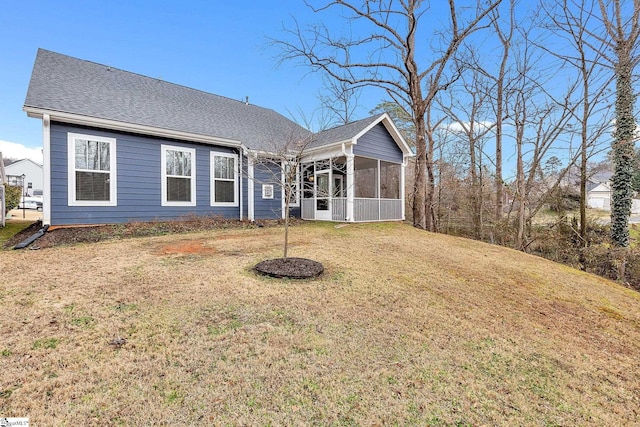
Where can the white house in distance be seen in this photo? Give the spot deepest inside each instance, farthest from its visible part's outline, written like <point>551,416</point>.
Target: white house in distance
<point>33,173</point>
<point>599,193</point>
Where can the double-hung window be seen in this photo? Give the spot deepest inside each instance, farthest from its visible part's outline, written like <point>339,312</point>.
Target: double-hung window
<point>178,176</point>
<point>224,179</point>
<point>92,170</point>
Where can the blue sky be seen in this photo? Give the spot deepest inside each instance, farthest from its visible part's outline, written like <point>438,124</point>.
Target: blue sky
<point>216,46</point>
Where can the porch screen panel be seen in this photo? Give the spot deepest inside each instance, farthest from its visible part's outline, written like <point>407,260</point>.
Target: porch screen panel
<point>389,180</point>
<point>366,178</point>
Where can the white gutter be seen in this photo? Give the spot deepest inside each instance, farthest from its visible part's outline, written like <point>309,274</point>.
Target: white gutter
<point>128,127</point>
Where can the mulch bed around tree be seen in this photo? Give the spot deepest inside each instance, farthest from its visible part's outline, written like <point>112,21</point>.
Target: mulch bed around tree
<point>291,268</point>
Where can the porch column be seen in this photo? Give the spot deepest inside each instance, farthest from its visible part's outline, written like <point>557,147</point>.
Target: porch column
<point>350,187</point>
<point>402,184</point>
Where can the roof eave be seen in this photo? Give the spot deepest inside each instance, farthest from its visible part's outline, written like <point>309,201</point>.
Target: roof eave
<point>78,119</point>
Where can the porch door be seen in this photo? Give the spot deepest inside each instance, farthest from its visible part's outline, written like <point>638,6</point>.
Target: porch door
<point>323,196</point>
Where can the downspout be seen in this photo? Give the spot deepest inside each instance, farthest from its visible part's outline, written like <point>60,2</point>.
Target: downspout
<point>283,191</point>
<point>240,155</point>
<point>46,169</point>
<point>250,189</point>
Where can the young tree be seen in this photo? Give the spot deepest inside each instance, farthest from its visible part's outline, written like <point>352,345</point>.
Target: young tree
<point>280,167</point>
<point>385,52</point>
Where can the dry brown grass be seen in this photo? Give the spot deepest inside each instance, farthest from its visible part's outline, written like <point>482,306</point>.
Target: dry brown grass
<point>404,328</point>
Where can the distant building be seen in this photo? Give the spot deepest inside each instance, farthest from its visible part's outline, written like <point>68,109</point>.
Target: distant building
<point>3,175</point>
<point>33,173</point>
<point>599,193</point>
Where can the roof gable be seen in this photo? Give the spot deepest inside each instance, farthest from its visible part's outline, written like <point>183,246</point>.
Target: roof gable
<point>351,132</point>
<point>20,163</point>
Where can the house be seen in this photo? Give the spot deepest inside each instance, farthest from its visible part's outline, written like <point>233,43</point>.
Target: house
<point>26,173</point>
<point>119,146</point>
<point>599,193</point>
<point>3,175</point>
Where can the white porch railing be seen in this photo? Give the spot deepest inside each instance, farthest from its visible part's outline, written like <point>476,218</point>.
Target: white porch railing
<point>377,209</point>
<point>339,208</point>
<point>308,208</point>
<point>363,209</point>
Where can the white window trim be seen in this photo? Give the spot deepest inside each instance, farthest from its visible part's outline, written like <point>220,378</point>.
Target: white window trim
<point>163,167</point>
<point>212,156</point>
<point>71,168</point>
<point>267,191</point>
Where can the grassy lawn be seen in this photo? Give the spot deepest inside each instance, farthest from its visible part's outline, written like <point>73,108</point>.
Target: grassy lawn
<point>404,328</point>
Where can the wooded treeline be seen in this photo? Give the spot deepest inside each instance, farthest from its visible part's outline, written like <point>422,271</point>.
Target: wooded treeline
<point>508,103</point>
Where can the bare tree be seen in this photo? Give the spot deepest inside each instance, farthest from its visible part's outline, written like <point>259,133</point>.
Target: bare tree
<point>540,119</point>
<point>572,20</point>
<point>385,53</point>
<point>340,99</point>
<point>467,109</point>
<point>506,37</point>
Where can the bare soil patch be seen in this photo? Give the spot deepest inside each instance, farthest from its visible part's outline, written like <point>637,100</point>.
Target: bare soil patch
<point>181,247</point>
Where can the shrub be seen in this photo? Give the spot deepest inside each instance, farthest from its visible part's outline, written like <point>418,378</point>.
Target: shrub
<point>12,197</point>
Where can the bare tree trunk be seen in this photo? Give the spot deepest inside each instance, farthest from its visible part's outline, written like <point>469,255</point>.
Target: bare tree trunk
<point>420,184</point>
<point>430,189</point>
<point>623,33</point>
<point>521,188</point>
<point>505,40</point>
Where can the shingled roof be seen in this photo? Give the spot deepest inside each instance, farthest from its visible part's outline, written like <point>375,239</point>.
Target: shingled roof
<point>61,84</point>
<point>64,84</point>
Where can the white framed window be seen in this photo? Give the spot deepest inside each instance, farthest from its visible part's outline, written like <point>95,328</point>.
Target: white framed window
<point>267,191</point>
<point>224,179</point>
<point>291,182</point>
<point>92,173</point>
<point>178,176</point>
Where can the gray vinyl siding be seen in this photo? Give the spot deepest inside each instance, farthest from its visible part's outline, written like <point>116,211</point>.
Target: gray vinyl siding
<point>378,144</point>
<point>267,208</point>
<point>139,175</point>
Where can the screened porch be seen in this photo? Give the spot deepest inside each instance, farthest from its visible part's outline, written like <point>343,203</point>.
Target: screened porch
<point>352,189</point>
